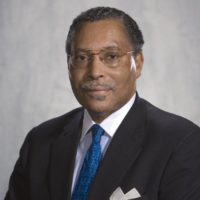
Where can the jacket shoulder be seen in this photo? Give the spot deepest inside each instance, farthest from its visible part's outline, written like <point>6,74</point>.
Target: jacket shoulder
<point>54,126</point>
<point>169,133</point>
<point>156,114</point>
<point>168,123</point>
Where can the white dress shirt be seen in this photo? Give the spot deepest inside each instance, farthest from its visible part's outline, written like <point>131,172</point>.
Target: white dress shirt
<point>110,125</point>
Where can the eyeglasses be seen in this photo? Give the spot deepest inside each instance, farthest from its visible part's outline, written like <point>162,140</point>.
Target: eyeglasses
<point>109,57</point>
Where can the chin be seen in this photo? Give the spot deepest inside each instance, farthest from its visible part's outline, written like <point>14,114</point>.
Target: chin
<point>97,108</point>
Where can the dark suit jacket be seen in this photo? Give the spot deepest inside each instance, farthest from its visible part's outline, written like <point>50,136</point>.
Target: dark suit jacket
<point>153,151</point>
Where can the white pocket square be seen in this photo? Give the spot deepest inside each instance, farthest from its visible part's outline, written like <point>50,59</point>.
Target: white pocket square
<point>119,195</point>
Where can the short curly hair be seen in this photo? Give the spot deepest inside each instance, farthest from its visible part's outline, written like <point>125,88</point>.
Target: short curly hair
<point>104,13</point>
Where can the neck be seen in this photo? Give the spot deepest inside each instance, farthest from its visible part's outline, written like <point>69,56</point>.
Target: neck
<point>98,117</point>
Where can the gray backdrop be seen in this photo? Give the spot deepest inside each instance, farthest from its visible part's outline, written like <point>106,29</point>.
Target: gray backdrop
<point>33,73</point>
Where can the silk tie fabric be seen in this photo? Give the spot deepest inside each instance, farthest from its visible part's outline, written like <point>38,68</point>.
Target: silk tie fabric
<point>90,165</point>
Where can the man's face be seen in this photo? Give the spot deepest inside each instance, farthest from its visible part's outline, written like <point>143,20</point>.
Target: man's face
<point>98,87</point>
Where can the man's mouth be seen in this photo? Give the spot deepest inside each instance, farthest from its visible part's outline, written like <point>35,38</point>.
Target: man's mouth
<point>96,89</point>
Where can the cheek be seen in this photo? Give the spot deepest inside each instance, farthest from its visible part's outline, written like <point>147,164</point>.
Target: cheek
<point>76,77</point>
<point>75,85</point>
<point>125,80</point>
<point>125,75</point>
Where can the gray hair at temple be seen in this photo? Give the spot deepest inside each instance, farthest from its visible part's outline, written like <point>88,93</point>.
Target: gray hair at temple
<point>104,13</point>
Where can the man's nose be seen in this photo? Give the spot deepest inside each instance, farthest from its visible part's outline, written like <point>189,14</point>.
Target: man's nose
<point>96,68</point>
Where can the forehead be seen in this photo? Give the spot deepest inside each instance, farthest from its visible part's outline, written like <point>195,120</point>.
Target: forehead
<point>101,34</point>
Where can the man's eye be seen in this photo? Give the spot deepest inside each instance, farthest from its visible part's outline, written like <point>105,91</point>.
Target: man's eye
<point>112,55</point>
<point>81,58</point>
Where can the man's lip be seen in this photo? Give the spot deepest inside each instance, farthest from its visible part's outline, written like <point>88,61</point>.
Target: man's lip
<point>97,91</point>
<point>97,88</point>
<point>93,88</point>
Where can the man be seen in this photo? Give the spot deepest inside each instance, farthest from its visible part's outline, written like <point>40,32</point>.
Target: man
<point>134,150</point>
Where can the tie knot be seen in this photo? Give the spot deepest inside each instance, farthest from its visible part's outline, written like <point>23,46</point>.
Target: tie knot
<point>97,132</point>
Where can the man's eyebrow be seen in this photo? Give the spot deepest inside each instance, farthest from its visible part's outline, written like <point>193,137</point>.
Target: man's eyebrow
<point>103,48</point>
<point>111,47</point>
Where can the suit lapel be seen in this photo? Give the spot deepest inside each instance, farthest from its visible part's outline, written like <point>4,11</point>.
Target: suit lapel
<point>63,153</point>
<point>121,153</point>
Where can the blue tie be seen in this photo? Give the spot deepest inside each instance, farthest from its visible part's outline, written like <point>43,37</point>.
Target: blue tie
<point>90,165</point>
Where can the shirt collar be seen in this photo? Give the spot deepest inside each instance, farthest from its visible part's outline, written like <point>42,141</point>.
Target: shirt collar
<point>111,123</point>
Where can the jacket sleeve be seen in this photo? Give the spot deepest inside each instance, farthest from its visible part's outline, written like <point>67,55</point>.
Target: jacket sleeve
<point>181,179</point>
<point>19,184</point>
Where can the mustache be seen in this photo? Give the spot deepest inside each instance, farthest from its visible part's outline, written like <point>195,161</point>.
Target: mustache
<point>94,85</point>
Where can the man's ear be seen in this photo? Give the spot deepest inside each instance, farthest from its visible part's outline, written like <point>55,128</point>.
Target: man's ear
<point>139,59</point>
<point>68,66</point>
